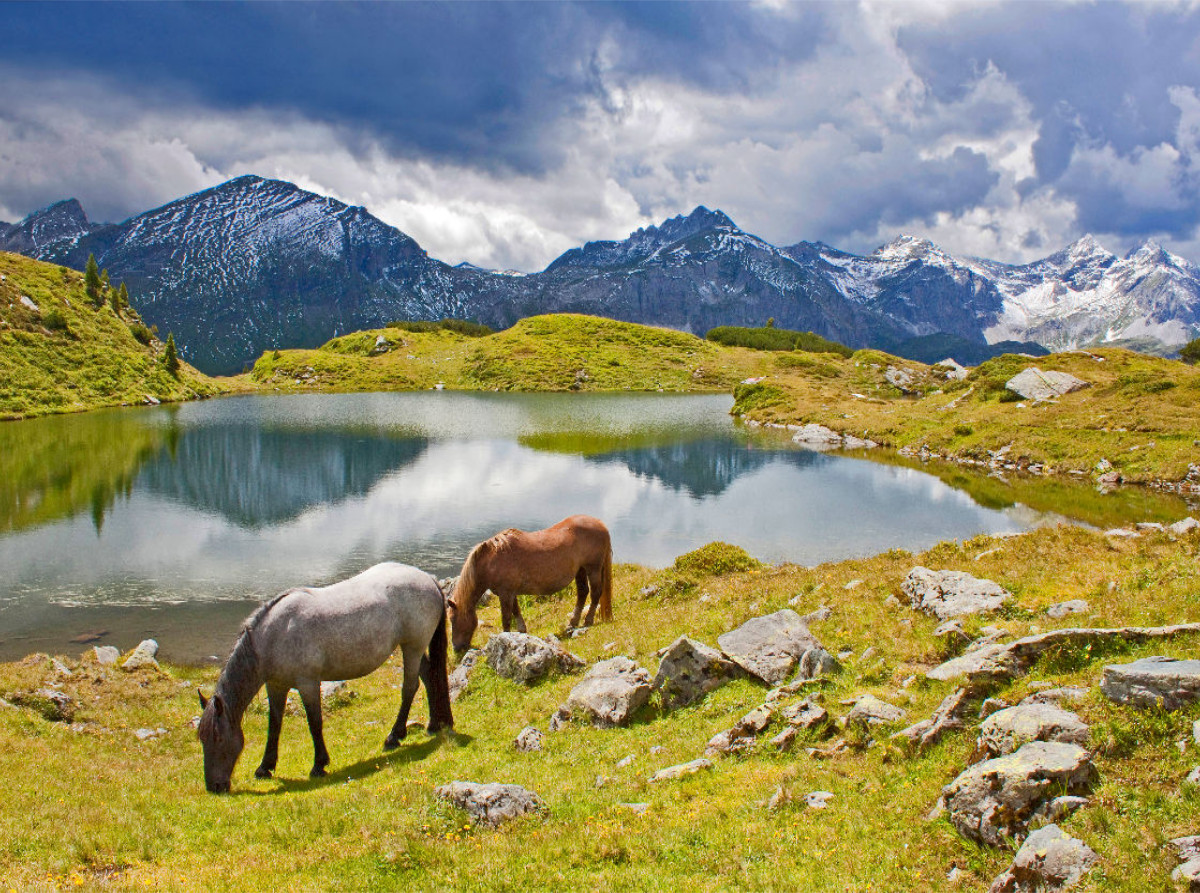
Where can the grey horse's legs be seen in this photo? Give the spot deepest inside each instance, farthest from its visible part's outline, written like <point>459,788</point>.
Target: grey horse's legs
<point>581,594</point>
<point>277,700</point>
<point>310,694</point>
<point>413,655</point>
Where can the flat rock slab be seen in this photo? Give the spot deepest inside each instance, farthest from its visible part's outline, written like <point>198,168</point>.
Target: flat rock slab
<point>1153,681</point>
<point>948,594</point>
<point>611,692</point>
<point>527,659</point>
<point>1034,384</point>
<point>1010,729</point>
<point>993,801</point>
<point>682,770</point>
<point>998,663</point>
<point>1048,861</point>
<point>491,803</point>
<point>948,716</point>
<point>689,670</point>
<point>870,711</point>
<point>769,647</point>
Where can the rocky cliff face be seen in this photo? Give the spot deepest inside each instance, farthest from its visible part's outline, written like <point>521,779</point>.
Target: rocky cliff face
<point>255,264</point>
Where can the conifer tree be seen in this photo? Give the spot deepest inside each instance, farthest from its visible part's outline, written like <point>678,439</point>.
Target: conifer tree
<point>170,357</point>
<point>91,279</point>
<point>1190,353</point>
<point>123,297</point>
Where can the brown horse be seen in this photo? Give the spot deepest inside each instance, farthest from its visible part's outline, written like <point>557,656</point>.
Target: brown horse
<point>514,563</point>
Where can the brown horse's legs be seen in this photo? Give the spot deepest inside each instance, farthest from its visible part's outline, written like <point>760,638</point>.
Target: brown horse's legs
<point>581,594</point>
<point>412,678</point>
<point>277,699</point>
<point>595,577</point>
<point>510,611</point>
<point>310,694</point>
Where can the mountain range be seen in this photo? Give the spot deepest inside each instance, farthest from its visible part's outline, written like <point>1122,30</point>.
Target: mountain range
<point>254,264</point>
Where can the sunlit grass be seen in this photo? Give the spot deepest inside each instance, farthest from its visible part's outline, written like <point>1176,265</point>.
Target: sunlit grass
<point>97,807</point>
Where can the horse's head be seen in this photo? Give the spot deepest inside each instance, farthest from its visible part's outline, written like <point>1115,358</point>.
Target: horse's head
<point>463,621</point>
<point>223,742</point>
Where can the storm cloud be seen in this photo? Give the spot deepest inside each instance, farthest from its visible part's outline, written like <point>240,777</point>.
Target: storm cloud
<point>506,133</point>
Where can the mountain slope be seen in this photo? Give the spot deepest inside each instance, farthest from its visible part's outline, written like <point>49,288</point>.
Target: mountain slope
<point>58,353</point>
<point>255,264</point>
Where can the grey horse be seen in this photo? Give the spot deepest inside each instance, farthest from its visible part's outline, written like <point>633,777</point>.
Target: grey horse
<point>342,631</point>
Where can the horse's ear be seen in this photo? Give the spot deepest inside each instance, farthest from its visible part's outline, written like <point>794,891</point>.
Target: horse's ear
<point>218,705</point>
<point>203,700</point>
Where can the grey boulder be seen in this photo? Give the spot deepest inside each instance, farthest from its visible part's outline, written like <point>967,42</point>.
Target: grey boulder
<point>769,647</point>
<point>611,692</point>
<point>527,659</point>
<point>1048,861</point>
<point>993,801</point>
<point>142,656</point>
<point>948,594</point>
<point>1007,730</point>
<point>1034,384</point>
<point>868,710</point>
<point>1151,681</point>
<point>491,804</point>
<point>460,678</point>
<point>689,670</point>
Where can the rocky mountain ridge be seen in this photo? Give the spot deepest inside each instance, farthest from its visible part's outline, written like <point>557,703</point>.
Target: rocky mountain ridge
<point>254,264</point>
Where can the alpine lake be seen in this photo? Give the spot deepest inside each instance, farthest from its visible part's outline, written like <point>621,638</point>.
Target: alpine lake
<point>174,522</point>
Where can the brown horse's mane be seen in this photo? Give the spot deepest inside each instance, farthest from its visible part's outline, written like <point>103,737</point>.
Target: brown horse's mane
<point>466,582</point>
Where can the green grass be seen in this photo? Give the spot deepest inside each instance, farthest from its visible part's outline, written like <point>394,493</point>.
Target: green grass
<point>563,352</point>
<point>63,354</point>
<point>1141,413</point>
<point>129,815</point>
<point>771,338</point>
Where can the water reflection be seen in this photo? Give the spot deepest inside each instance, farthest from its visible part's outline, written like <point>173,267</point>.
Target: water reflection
<point>219,504</point>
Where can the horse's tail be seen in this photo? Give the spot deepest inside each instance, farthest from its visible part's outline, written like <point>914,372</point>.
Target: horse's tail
<point>437,685</point>
<point>606,584</point>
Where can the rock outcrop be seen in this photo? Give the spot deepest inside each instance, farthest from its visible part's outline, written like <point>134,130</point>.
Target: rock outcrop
<point>1050,860</point>
<point>689,670</point>
<point>491,804</point>
<point>770,647</point>
<point>611,692</point>
<point>949,594</point>
<point>1153,681</point>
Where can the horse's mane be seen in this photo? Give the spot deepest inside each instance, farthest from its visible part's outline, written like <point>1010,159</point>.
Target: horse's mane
<point>241,678</point>
<point>466,583</point>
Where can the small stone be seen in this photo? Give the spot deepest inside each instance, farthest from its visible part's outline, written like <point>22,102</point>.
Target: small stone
<point>817,799</point>
<point>869,711</point>
<point>529,740</point>
<point>1193,778</point>
<point>491,804</point>
<point>106,655</point>
<point>1065,609</point>
<point>680,771</point>
<point>1186,526</point>
<point>625,761</point>
<point>142,656</point>
<point>635,808</point>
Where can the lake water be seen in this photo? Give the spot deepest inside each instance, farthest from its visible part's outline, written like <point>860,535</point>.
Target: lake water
<point>174,522</point>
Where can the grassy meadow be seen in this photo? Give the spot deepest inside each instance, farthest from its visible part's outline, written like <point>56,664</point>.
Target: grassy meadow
<point>59,352</point>
<point>90,806</point>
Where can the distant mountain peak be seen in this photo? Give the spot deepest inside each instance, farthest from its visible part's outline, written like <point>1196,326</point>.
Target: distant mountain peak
<point>57,224</point>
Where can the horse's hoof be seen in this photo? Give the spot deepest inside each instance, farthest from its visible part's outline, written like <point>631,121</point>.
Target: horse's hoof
<point>262,772</point>
<point>317,772</point>
<point>391,743</point>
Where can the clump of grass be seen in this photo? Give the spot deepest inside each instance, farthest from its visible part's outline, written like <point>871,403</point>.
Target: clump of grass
<point>716,559</point>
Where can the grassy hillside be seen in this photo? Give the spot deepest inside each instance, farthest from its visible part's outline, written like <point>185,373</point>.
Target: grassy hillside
<point>134,815</point>
<point>562,352</point>
<point>1141,413</point>
<point>59,353</point>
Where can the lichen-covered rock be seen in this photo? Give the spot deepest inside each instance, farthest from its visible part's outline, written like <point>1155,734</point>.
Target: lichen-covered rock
<point>1065,609</point>
<point>1153,681</point>
<point>993,801</point>
<point>611,692</point>
<point>870,711</point>
<point>460,678</point>
<point>1035,384</point>
<point>1048,861</point>
<point>52,704</point>
<point>106,655</point>
<point>949,715</point>
<point>529,740</point>
<point>769,647</point>
<point>689,670</point>
<point>527,659</point>
<point>948,594</point>
<point>142,656</point>
<point>680,771</point>
<point>491,804</point>
<point>815,663</point>
<point>742,734</point>
<point>1011,728</point>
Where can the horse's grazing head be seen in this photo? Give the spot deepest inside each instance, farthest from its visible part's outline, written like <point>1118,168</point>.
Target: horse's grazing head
<point>463,621</point>
<point>223,742</point>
